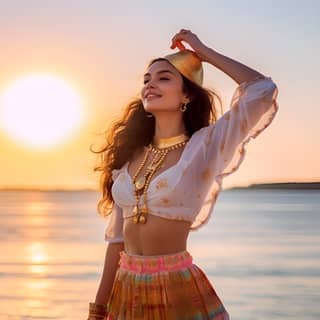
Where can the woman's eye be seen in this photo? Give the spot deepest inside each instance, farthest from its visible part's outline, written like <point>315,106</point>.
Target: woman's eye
<point>162,78</point>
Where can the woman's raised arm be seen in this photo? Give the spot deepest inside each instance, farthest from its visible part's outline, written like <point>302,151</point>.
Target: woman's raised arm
<point>236,70</point>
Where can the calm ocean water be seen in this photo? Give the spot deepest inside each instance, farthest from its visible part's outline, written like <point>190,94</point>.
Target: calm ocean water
<point>260,249</point>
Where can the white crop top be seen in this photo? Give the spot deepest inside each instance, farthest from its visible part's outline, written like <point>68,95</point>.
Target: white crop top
<point>189,189</point>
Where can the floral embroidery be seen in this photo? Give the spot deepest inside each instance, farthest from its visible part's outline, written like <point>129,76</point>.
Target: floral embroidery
<point>205,174</point>
<point>163,183</point>
<point>222,146</point>
<point>164,200</point>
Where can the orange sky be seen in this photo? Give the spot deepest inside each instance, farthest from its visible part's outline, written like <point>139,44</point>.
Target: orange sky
<point>102,52</point>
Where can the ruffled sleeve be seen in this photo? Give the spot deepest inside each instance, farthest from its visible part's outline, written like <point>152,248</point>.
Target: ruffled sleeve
<point>114,230</point>
<point>253,107</point>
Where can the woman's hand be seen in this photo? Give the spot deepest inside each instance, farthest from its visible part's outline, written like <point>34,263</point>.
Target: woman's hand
<point>192,39</point>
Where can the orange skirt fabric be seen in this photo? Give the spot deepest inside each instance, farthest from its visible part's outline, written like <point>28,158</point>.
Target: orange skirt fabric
<point>164,287</point>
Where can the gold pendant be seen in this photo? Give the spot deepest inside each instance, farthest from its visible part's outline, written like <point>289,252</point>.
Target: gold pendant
<point>136,219</point>
<point>144,210</point>
<point>135,210</point>
<point>136,214</point>
<point>140,183</point>
<point>143,214</point>
<point>142,219</point>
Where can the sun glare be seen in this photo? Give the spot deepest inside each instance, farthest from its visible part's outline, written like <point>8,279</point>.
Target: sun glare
<point>40,111</point>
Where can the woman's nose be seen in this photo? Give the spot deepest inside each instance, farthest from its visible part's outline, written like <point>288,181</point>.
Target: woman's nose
<point>150,83</point>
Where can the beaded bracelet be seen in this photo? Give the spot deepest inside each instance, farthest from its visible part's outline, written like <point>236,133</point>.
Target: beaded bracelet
<point>97,311</point>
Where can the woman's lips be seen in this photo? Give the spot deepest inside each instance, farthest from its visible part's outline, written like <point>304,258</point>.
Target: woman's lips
<point>152,96</point>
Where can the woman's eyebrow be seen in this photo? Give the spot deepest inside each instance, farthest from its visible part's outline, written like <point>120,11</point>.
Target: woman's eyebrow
<point>158,72</point>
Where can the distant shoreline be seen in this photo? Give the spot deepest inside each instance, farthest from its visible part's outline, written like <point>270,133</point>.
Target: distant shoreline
<point>281,185</point>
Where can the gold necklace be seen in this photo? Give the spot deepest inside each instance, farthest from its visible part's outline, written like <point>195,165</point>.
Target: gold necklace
<point>161,143</point>
<point>142,184</point>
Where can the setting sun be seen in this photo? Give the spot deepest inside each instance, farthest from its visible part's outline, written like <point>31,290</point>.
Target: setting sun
<point>40,110</point>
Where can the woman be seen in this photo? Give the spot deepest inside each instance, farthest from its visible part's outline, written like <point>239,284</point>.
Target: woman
<point>162,171</point>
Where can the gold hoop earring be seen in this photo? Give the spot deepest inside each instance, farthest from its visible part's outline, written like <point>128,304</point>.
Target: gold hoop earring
<point>149,115</point>
<point>184,107</point>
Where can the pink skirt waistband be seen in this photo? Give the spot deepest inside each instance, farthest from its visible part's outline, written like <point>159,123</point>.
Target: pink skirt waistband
<point>152,264</point>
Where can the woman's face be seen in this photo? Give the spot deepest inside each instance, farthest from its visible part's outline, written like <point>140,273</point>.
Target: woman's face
<point>162,88</point>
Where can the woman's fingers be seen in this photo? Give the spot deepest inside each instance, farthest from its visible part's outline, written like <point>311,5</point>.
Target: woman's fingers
<point>190,38</point>
<point>178,44</point>
<point>176,41</point>
<point>182,35</point>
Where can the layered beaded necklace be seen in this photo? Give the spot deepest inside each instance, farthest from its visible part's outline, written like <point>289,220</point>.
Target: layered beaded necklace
<point>159,149</point>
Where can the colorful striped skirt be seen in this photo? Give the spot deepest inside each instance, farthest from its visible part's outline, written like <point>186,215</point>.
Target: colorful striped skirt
<point>165,287</point>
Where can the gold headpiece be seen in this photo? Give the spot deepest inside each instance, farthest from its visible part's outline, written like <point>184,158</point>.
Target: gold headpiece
<point>187,63</point>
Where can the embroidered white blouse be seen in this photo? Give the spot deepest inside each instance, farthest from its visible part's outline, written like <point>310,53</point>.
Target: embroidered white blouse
<point>189,189</point>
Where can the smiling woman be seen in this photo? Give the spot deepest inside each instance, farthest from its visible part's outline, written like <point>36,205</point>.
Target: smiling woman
<point>40,111</point>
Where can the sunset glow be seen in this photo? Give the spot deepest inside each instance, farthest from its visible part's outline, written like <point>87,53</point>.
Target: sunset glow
<point>40,111</point>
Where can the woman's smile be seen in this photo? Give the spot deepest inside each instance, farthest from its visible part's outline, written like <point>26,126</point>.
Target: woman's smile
<point>152,97</point>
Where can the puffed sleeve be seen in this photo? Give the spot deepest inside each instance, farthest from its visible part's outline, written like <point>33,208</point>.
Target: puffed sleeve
<point>253,107</point>
<point>113,232</point>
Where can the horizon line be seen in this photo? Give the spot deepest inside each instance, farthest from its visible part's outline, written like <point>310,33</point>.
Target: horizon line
<point>82,189</point>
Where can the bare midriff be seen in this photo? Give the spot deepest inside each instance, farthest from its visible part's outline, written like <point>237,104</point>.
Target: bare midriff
<point>156,237</point>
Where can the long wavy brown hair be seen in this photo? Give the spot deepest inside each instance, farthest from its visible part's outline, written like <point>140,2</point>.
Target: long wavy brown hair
<point>134,130</point>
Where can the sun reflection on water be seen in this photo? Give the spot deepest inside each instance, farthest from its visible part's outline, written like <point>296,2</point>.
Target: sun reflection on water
<point>37,253</point>
<point>37,287</point>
